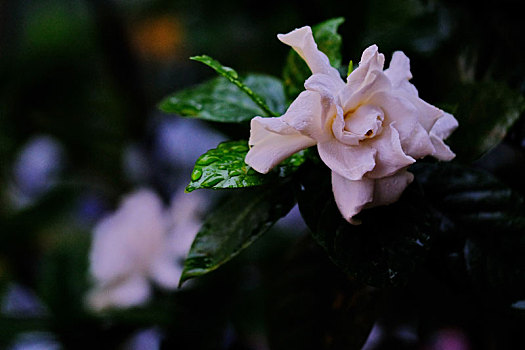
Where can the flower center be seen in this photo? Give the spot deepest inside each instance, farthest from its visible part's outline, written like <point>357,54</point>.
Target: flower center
<point>365,121</point>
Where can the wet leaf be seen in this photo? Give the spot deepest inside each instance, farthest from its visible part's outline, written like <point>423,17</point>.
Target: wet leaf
<point>219,100</point>
<point>224,167</point>
<point>389,244</point>
<point>235,225</point>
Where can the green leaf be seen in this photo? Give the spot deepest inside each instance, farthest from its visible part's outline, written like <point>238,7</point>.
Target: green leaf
<point>328,41</point>
<point>488,220</point>
<point>485,112</point>
<point>224,167</point>
<point>389,244</point>
<point>233,77</point>
<point>219,100</point>
<point>234,225</point>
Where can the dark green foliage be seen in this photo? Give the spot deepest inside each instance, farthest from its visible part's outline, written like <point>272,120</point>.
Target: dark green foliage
<point>234,225</point>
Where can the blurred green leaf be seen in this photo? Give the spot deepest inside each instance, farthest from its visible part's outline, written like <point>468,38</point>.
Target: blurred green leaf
<point>389,244</point>
<point>235,225</point>
<point>489,217</point>
<point>220,101</point>
<point>485,112</point>
<point>328,41</point>
<point>224,167</point>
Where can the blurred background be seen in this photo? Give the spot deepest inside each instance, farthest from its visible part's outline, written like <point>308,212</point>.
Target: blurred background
<point>79,129</point>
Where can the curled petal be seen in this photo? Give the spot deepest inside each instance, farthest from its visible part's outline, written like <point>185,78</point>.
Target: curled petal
<point>418,144</point>
<point>388,189</point>
<point>440,131</point>
<point>390,156</point>
<point>399,73</point>
<point>302,41</point>
<point>325,85</point>
<point>272,141</point>
<point>400,110</point>
<point>371,60</point>
<point>366,121</point>
<point>305,114</point>
<point>351,196</point>
<point>374,82</point>
<point>351,162</point>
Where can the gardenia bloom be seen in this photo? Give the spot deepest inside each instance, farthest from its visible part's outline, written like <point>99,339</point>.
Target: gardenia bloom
<point>367,130</point>
<point>139,243</point>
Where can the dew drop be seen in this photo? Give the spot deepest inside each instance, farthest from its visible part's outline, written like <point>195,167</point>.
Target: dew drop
<point>212,181</point>
<point>207,159</point>
<point>196,174</point>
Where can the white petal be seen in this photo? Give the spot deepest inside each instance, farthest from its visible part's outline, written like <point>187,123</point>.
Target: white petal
<point>325,85</point>
<point>351,162</point>
<point>399,73</point>
<point>418,144</point>
<point>365,119</point>
<point>305,114</point>
<point>388,189</point>
<point>440,131</point>
<point>390,156</point>
<point>272,141</point>
<point>302,41</point>
<point>371,60</point>
<point>127,293</point>
<point>351,196</point>
<point>166,271</point>
<point>126,242</point>
<point>374,82</point>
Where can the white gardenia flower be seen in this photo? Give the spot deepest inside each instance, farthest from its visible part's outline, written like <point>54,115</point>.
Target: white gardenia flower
<point>367,130</point>
<point>139,243</point>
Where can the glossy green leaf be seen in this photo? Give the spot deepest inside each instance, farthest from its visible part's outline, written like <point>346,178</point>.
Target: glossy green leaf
<point>234,225</point>
<point>328,41</point>
<point>233,77</point>
<point>219,100</point>
<point>389,244</point>
<point>224,167</point>
<point>485,112</point>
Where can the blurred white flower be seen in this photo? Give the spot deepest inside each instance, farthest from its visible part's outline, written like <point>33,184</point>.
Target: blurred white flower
<point>36,169</point>
<point>141,242</point>
<point>367,130</point>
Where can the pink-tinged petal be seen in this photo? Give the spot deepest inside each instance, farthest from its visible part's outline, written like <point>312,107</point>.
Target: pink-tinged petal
<point>351,196</point>
<point>305,114</point>
<point>325,85</point>
<point>166,271</point>
<point>397,109</point>
<point>399,73</point>
<point>440,131</point>
<point>366,121</point>
<point>371,60</point>
<point>351,162</point>
<point>419,144</point>
<point>340,133</point>
<point>272,141</point>
<point>390,156</point>
<point>374,82</point>
<point>302,41</point>
<point>388,189</point>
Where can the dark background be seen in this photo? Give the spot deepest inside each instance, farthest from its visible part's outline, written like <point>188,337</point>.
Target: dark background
<point>80,81</point>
